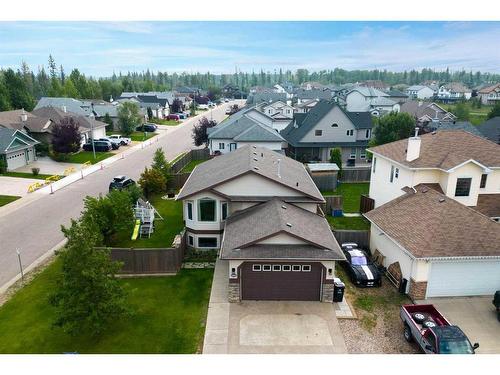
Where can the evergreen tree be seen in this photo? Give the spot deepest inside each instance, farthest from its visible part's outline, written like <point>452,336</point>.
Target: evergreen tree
<point>19,96</point>
<point>495,111</point>
<point>107,119</point>
<point>160,163</point>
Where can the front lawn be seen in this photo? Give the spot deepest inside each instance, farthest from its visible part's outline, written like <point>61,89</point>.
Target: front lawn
<point>190,166</point>
<point>344,222</point>
<point>169,315</point>
<point>139,136</point>
<point>6,199</point>
<point>351,192</point>
<point>165,230</point>
<point>165,122</point>
<point>25,175</point>
<point>85,156</point>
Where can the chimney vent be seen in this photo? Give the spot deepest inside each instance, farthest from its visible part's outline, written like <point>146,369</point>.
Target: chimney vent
<point>413,149</point>
<point>24,116</point>
<point>288,225</point>
<point>64,109</point>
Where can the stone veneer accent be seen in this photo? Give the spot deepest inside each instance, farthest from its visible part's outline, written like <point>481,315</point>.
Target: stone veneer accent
<point>327,293</point>
<point>233,294</point>
<point>418,289</point>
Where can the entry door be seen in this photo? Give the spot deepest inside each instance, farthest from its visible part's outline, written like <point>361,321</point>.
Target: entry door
<point>232,146</point>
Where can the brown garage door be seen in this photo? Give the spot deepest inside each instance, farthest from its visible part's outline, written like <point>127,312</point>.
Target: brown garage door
<point>281,281</point>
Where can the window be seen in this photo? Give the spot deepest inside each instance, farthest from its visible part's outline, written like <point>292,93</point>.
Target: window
<point>306,268</point>
<point>190,210</point>
<point>392,173</point>
<point>367,133</point>
<point>463,187</point>
<point>352,155</point>
<point>350,133</point>
<point>396,173</point>
<point>207,241</point>
<point>266,267</point>
<point>206,209</point>
<point>286,268</point>
<point>256,268</point>
<point>221,146</point>
<point>318,132</point>
<point>484,177</point>
<point>276,267</point>
<point>223,210</point>
<point>190,240</point>
<point>362,153</point>
<point>374,164</point>
<point>335,125</point>
<point>296,268</point>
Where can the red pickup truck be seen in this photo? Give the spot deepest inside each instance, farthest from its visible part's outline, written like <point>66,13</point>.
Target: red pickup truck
<point>433,332</point>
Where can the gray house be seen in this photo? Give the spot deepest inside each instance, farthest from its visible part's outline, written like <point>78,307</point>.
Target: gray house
<point>17,148</point>
<point>312,135</point>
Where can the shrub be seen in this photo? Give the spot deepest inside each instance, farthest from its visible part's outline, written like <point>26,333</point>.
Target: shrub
<point>336,157</point>
<point>66,136</point>
<point>152,181</point>
<point>3,165</point>
<point>42,149</point>
<point>35,171</point>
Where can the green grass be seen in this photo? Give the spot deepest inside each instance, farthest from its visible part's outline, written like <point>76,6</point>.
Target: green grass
<point>354,223</point>
<point>139,136</point>
<point>25,175</point>
<point>85,156</point>
<point>190,166</point>
<point>177,158</point>
<point>6,199</point>
<point>169,315</point>
<point>166,122</point>
<point>351,192</point>
<point>165,230</point>
<point>476,115</point>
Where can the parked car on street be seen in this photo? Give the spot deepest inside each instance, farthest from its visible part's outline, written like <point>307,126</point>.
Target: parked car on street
<point>123,140</point>
<point>360,268</point>
<point>202,106</point>
<point>115,145</point>
<point>173,116</point>
<point>101,146</point>
<point>121,182</point>
<point>496,303</point>
<point>181,115</point>
<point>433,332</point>
<point>226,100</point>
<point>148,127</point>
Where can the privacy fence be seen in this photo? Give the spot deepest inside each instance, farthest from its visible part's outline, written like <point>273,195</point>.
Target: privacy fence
<point>361,237</point>
<point>177,177</point>
<point>356,174</point>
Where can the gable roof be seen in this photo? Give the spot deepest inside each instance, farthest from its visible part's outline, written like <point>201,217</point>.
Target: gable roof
<point>245,128</point>
<point>304,122</point>
<point>245,229</point>
<point>420,109</point>
<point>55,114</point>
<point>491,129</point>
<point>457,125</point>
<point>489,89</point>
<point>430,225</point>
<point>444,150</point>
<point>12,140</point>
<point>72,105</point>
<point>250,159</point>
<point>368,91</point>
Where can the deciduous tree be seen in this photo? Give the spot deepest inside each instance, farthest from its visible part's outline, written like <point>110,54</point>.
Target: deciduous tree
<point>66,136</point>
<point>392,127</point>
<point>128,117</point>
<point>200,135</point>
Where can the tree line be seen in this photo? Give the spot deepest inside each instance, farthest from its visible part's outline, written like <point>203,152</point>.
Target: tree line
<point>21,88</point>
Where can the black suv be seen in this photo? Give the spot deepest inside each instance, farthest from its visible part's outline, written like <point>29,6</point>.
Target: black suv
<point>150,128</point>
<point>101,146</point>
<point>121,182</point>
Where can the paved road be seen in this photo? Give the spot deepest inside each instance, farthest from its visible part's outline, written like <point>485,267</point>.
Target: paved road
<point>35,228</point>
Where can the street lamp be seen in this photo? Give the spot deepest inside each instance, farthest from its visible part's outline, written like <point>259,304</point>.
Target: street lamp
<point>92,134</point>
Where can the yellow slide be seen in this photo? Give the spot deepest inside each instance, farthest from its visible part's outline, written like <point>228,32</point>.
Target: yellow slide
<point>135,233</point>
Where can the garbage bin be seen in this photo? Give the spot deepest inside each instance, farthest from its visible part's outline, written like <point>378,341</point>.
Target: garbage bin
<point>338,290</point>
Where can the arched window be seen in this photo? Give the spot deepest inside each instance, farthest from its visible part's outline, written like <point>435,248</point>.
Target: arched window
<point>206,209</point>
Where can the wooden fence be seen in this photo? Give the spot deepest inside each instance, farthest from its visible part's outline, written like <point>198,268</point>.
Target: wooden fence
<point>361,237</point>
<point>325,182</point>
<point>356,174</point>
<point>333,202</point>
<point>139,261</point>
<point>366,204</point>
<point>196,154</point>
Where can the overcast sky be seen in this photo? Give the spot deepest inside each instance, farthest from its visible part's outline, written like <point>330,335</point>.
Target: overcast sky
<point>99,48</point>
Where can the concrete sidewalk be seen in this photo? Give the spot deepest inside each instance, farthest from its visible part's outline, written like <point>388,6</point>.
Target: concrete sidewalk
<point>217,328</point>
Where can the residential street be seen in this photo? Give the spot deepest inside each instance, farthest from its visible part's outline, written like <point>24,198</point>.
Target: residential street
<point>35,228</point>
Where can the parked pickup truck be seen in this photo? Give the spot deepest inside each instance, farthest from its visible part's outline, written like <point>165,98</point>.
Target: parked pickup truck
<point>433,332</point>
<point>118,138</point>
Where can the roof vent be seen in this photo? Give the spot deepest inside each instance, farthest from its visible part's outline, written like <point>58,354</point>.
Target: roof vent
<point>441,200</point>
<point>256,168</point>
<point>425,190</point>
<point>255,159</point>
<point>288,225</point>
<point>283,207</point>
<point>254,153</point>
<point>297,184</point>
<point>261,154</point>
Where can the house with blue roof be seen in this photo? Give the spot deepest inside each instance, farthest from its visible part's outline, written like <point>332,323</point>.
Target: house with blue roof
<point>17,148</point>
<point>312,135</point>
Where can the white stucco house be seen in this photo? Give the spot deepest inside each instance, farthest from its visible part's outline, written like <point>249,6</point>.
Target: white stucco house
<point>437,203</point>
<point>369,99</point>
<point>419,92</point>
<point>260,210</point>
<point>454,91</point>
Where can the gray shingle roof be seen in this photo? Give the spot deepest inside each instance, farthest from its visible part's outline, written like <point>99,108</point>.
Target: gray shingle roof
<point>72,105</point>
<point>244,229</point>
<point>251,159</point>
<point>458,125</point>
<point>491,129</point>
<point>56,115</point>
<point>7,136</point>
<point>244,128</point>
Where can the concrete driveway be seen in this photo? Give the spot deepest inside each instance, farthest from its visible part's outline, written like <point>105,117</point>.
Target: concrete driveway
<point>261,327</point>
<point>476,316</point>
<point>15,186</point>
<point>48,166</point>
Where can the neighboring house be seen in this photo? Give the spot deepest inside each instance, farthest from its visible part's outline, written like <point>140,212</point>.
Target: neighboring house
<point>75,106</point>
<point>454,91</point>
<point>312,135</point>
<point>240,130</point>
<point>260,209</point>
<point>455,125</point>
<point>187,91</point>
<point>267,97</point>
<point>491,129</point>
<point>420,92</point>
<point>158,102</point>
<point>305,106</point>
<point>368,99</point>
<point>17,148</point>
<point>305,95</point>
<point>425,113</point>
<point>490,94</point>
<point>376,84</point>
<point>397,96</point>
<point>436,198</point>
<point>278,109</point>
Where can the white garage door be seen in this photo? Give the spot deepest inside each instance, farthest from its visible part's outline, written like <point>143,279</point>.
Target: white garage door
<point>16,160</point>
<point>468,278</point>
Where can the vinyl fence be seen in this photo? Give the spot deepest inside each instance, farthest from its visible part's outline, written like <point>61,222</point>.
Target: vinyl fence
<point>361,237</point>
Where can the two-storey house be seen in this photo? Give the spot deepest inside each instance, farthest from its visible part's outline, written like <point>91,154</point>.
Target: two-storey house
<point>437,197</point>
<point>369,99</point>
<point>490,94</point>
<point>312,135</point>
<point>454,91</point>
<point>260,209</point>
<point>420,92</point>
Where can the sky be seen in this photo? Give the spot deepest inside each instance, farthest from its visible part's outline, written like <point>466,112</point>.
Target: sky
<point>101,48</point>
